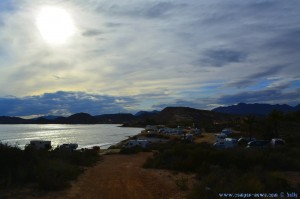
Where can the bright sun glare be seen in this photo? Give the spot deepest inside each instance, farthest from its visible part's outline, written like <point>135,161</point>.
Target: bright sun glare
<point>54,24</point>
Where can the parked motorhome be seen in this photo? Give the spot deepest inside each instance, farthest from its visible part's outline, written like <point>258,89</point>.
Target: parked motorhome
<point>227,131</point>
<point>151,128</point>
<point>196,131</point>
<point>276,142</point>
<point>70,146</point>
<point>226,143</point>
<point>243,141</point>
<point>140,143</point>
<point>220,137</point>
<point>40,144</point>
<point>177,131</point>
<point>258,144</point>
<point>188,137</point>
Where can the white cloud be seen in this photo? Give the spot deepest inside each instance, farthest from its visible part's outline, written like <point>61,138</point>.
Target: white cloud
<point>137,48</point>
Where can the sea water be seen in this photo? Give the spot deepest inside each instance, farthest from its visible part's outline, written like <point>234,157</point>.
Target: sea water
<point>86,136</point>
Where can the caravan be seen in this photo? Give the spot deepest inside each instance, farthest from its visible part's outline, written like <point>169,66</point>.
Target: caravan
<point>227,131</point>
<point>226,143</point>
<point>137,143</point>
<point>220,137</point>
<point>69,147</point>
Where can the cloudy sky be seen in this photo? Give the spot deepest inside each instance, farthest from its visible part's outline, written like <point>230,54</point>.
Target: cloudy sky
<point>61,57</point>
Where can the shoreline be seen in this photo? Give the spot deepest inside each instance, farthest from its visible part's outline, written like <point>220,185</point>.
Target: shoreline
<point>86,136</point>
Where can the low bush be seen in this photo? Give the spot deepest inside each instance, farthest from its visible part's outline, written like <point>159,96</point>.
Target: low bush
<point>236,170</point>
<point>133,150</point>
<point>235,181</point>
<point>190,157</point>
<point>49,170</point>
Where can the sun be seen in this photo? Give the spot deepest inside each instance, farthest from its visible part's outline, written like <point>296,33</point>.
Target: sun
<point>54,24</point>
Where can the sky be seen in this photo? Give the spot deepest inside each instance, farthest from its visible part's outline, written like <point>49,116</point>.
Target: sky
<point>130,55</point>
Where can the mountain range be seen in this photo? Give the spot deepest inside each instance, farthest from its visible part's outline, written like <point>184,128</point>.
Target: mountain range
<point>169,116</point>
<point>255,109</point>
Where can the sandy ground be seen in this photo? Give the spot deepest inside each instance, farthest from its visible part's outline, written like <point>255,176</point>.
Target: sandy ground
<point>122,176</point>
<point>206,137</point>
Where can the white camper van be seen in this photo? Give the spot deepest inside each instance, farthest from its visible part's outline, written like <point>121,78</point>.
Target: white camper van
<point>227,131</point>
<point>226,143</point>
<point>140,143</point>
<point>70,146</point>
<point>220,137</point>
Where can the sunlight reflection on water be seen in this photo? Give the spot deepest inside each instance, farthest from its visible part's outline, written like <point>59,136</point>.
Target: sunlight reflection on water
<point>84,135</point>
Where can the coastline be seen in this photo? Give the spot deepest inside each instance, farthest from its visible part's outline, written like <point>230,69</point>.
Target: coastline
<point>86,136</point>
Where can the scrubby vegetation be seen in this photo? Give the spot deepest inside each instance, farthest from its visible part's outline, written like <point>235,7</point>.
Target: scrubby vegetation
<point>235,170</point>
<point>238,170</point>
<point>46,170</point>
<point>133,150</point>
<point>190,157</point>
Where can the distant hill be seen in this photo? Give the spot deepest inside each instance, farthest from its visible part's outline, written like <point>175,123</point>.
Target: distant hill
<point>146,113</point>
<point>119,118</point>
<point>169,115</point>
<point>12,120</point>
<point>49,117</point>
<point>81,118</point>
<point>255,109</point>
<point>173,115</point>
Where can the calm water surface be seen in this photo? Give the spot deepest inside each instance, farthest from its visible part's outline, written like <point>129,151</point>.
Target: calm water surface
<point>102,135</point>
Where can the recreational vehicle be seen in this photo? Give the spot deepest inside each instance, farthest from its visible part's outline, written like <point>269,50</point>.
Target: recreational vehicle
<point>226,143</point>
<point>139,143</point>
<point>40,144</point>
<point>276,142</point>
<point>220,137</point>
<point>71,146</point>
<point>227,131</point>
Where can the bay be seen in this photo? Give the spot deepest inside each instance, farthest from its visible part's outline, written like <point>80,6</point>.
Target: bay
<point>86,136</point>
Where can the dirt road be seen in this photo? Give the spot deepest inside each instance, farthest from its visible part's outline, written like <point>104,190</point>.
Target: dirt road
<point>122,177</point>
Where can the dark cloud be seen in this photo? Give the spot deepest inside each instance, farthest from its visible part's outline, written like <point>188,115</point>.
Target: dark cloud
<point>160,9</point>
<point>64,103</point>
<point>147,10</point>
<point>268,72</point>
<point>113,24</point>
<point>221,57</point>
<point>240,11</point>
<point>287,41</point>
<point>256,77</point>
<point>242,83</point>
<point>91,33</point>
<point>272,95</point>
